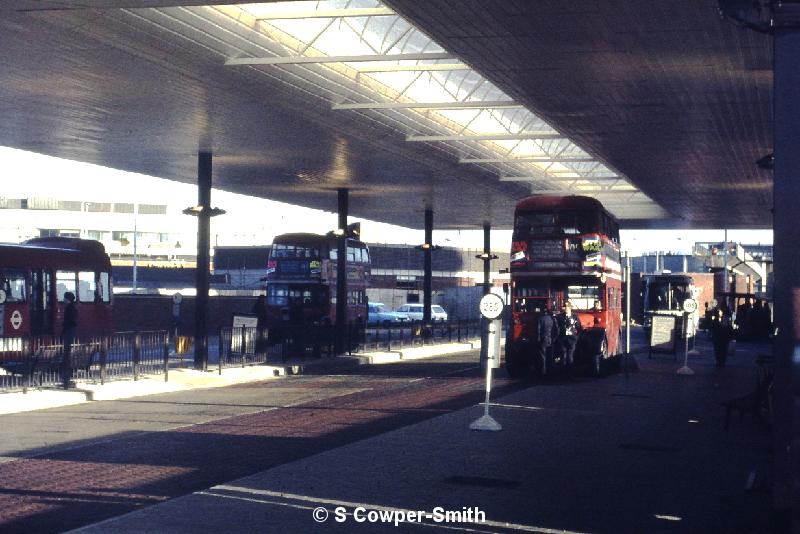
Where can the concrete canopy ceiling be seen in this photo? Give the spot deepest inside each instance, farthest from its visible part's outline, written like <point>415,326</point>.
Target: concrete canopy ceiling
<point>666,95</point>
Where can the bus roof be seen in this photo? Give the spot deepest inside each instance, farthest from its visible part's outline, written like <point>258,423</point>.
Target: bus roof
<point>551,202</point>
<point>58,252</point>
<point>304,238</point>
<point>673,278</point>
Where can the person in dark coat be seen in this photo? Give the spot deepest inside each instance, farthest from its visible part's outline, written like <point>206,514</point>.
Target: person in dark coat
<point>547,334</point>
<point>68,335</point>
<point>721,334</point>
<point>569,327</point>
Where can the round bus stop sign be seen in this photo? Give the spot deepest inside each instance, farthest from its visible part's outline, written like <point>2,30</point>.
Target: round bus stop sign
<point>689,305</point>
<point>491,306</point>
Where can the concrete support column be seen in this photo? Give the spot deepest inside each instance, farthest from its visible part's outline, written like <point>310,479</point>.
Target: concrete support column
<point>341,272</point>
<point>786,191</point>
<point>428,266</point>
<point>202,274</point>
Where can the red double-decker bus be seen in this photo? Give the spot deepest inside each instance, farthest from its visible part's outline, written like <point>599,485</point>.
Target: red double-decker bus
<point>301,280</point>
<point>564,248</point>
<point>35,276</point>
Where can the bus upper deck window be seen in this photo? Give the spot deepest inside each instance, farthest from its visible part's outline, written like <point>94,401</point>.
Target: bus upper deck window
<point>65,281</point>
<point>13,283</point>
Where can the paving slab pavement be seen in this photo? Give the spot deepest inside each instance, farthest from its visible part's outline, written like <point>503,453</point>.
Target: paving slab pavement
<point>186,379</point>
<point>643,452</point>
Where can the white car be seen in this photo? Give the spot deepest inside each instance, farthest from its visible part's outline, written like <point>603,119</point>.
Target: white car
<point>415,311</point>
<point>380,314</point>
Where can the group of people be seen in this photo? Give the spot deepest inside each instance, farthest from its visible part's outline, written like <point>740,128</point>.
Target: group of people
<point>754,321</point>
<point>557,333</point>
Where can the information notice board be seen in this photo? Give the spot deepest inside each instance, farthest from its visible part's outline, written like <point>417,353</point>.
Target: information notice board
<point>663,334</point>
<point>244,334</point>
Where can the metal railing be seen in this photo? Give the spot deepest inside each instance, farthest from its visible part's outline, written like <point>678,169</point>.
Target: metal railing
<point>247,345</point>
<point>45,362</point>
<point>241,346</point>
<point>416,334</point>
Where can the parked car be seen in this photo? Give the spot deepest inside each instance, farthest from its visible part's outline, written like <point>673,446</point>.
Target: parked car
<point>414,312</point>
<point>378,313</point>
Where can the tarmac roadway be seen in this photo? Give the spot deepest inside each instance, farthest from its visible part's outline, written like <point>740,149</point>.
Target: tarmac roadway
<point>387,448</point>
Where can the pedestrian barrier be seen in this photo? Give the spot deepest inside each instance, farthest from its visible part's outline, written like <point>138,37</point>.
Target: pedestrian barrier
<point>43,362</point>
<point>416,334</point>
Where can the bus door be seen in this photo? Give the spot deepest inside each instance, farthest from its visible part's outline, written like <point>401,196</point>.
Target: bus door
<point>41,303</point>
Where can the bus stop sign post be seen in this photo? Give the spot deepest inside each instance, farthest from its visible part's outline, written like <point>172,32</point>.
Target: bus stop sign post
<point>491,307</point>
<point>689,307</point>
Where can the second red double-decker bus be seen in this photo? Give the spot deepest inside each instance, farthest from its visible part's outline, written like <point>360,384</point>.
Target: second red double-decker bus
<point>564,248</point>
<point>301,280</point>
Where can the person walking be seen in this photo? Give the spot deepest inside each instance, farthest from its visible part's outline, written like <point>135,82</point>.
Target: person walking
<point>68,334</point>
<point>547,334</point>
<point>570,328</point>
<point>721,334</point>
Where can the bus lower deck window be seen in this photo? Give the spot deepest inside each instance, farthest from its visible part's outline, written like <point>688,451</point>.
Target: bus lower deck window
<point>65,281</point>
<point>13,283</point>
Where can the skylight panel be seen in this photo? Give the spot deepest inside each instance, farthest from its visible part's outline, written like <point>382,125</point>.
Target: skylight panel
<point>381,66</point>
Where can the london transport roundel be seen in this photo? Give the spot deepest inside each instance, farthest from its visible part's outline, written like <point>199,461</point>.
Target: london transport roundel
<point>16,320</point>
<point>491,306</point>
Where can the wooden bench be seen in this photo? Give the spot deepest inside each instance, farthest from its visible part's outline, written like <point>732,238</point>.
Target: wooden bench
<point>755,401</point>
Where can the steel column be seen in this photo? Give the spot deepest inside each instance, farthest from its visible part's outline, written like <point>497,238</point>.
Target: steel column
<point>202,274</point>
<point>487,257</point>
<point>786,190</point>
<point>341,272</point>
<point>428,266</point>
<point>487,263</point>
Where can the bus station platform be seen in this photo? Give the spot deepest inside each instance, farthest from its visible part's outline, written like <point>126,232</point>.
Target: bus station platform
<point>638,451</point>
<point>182,379</point>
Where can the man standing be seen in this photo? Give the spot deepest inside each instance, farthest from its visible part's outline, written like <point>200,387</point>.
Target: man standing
<point>547,334</point>
<point>570,327</point>
<point>721,334</point>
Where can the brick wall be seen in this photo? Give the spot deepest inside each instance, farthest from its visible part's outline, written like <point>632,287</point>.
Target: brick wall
<point>154,312</point>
